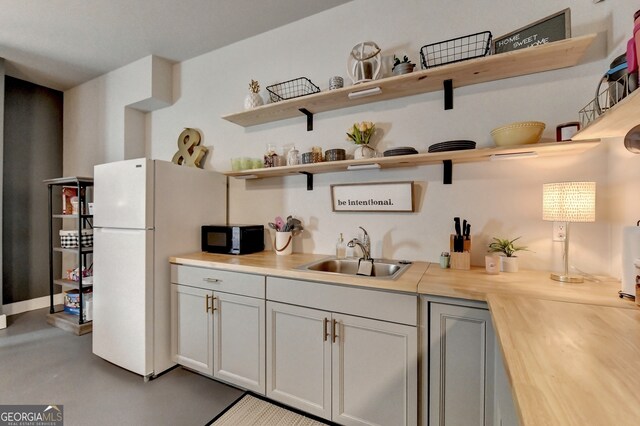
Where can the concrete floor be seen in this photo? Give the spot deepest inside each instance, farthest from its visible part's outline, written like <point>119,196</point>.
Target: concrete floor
<point>41,364</point>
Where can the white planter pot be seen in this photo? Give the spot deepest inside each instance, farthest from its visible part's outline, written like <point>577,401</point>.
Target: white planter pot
<point>364,151</point>
<point>508,264</point>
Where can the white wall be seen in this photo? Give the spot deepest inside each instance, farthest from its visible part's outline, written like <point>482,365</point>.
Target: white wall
<point>499,199</point>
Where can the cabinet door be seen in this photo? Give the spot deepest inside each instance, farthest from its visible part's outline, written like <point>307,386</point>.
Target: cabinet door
<point>375,372</point>
<point>192,328</point>
<point>239,340</point>
<point>299,358</point>
<point>461,360</point>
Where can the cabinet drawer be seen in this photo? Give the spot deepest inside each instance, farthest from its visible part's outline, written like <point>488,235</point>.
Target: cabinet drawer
<point>217,280</point>
<point>387,306</point>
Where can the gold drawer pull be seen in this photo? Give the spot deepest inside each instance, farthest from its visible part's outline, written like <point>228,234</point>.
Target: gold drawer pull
<point>326,328</point>
<point>211,280</point>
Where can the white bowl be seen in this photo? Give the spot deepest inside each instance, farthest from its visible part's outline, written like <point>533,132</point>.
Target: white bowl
<point>520,133</point>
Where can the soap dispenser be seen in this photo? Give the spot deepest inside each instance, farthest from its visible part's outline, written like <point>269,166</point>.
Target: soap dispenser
<point>341,248</point>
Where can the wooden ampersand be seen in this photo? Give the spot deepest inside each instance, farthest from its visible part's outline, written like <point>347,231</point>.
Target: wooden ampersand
<point>189,152</point>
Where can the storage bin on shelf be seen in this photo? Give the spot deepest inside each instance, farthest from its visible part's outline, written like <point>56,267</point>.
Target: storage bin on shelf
<point>69,238</point>
<point>72,303</point>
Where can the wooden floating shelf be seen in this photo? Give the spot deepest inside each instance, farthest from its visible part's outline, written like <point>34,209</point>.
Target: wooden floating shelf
<point>615,122</point>
<point>69,283</point>
<point>85,250</point>
<point>454,157</point>
<point>545,57</point>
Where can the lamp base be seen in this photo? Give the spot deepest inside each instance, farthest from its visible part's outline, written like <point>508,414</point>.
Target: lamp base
<point>567,278</point>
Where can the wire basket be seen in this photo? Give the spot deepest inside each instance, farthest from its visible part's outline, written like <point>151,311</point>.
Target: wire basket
<point>455,50</point>
<point>292,89</point>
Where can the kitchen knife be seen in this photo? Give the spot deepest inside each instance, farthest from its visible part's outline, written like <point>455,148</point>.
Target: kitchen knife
<point>456,221</point>
<point>468,232</point>
<point>464,227</point>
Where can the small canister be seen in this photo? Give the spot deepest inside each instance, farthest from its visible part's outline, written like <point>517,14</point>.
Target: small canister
<point>336,82</point>
<point>444,260</point>
<point>293,158</point>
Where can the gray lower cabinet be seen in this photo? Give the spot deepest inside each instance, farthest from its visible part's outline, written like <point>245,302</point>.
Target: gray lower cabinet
<point>218,333</point>
<point>462,366</point>
<point>355,370</point>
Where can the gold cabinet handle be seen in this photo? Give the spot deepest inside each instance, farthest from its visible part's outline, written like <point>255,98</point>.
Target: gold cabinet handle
<point>206,302</point>
<point>326,328</point>
<point>335,330</point>
<point>211,280</point>
<point>213,304</point>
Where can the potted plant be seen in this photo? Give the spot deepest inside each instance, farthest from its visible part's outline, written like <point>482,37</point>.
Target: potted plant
<point>360,134</point>
<point>402,67</point>
<point>507,249</point>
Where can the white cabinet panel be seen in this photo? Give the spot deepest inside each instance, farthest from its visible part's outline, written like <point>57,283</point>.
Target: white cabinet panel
<point>191,337</point>
<point>375,378</point>
<point>461,366</point>
<point>239,340</point>
<point>299,358</point>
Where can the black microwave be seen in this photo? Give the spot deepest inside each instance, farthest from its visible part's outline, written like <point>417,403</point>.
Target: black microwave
<point>232,239</point>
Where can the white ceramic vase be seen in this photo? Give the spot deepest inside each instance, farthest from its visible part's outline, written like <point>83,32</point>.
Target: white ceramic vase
<point>508,264</point>
<point>253,100</point>
<point>364,151</point>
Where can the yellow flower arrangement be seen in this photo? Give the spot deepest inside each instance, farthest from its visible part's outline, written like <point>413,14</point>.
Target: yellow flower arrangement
<point>361,133</point>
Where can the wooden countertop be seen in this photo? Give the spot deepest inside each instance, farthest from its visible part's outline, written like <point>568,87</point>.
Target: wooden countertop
<point>270,264</point>
<point>476,284</point>
<point>570,363</point>
<point>572,351</point>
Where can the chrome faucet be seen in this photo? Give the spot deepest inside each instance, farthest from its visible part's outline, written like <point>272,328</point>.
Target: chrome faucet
<point>365,244</point>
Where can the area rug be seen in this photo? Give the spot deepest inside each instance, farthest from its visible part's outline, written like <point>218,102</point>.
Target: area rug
<point>250,410</point>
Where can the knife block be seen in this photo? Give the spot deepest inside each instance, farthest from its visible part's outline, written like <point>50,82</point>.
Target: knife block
<point>460,260</point>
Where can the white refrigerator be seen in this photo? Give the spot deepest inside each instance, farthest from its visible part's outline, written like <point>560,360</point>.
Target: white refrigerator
<point>144,212</point>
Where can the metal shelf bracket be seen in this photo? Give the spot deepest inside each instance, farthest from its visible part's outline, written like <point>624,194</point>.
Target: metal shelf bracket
<point>309,180</point>
<point>447,172</point>
<point>309,118</point>
<point>448,94</point>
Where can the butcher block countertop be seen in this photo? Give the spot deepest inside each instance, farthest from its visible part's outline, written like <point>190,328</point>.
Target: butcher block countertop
<point>571,351</point>
<point>270,264</point>
<point>570,363</point>
<point>476,284</point>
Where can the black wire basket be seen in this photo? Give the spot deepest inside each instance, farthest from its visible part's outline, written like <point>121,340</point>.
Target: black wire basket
<point>292,89</point>
<point>455,50</point>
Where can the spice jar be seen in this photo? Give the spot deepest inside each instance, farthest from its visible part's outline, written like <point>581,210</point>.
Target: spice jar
<point>269,156</point>
<point>316,154</point>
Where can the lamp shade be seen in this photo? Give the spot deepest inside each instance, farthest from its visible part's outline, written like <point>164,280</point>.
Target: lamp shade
<point>569,201</point>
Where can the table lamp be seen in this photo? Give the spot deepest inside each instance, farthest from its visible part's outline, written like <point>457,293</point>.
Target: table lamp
<point>568,202</point>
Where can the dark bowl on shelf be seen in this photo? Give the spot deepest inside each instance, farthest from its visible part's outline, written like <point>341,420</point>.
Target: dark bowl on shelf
<point>307,158</point>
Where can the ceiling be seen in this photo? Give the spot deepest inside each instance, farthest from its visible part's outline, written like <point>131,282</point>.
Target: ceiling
<point>63,43</point>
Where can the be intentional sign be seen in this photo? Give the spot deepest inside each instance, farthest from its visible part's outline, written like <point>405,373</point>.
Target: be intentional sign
<point>373,197</point>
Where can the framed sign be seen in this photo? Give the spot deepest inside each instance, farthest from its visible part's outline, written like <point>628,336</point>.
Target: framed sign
<point>552,28</point>
<point>373,197</point>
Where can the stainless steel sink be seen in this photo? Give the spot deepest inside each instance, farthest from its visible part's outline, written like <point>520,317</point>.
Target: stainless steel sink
<point>382,268</point>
